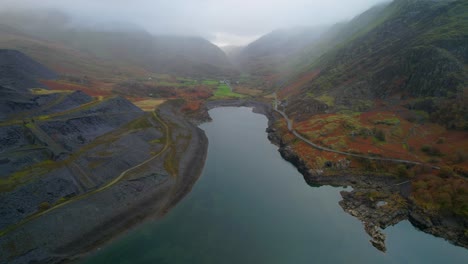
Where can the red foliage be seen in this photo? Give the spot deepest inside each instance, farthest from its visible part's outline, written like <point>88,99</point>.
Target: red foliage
<point>197,93</point>
<point>61,85</point>
<point>191,106</point>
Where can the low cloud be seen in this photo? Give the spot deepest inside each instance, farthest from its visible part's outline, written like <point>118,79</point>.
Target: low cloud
<point>224,22</point>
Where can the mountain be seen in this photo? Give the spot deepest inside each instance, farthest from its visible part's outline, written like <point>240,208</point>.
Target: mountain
<point>414,49</point>
<point>62,58</point>
<point>283,53</point>
<point>109,51</point>
<point>191,56</point>
<point>232,52</point>
<point>18,70</point>
<point>18,74</point>
<point>266,55</point>
<point>385,96</point>
<point>336,35</point>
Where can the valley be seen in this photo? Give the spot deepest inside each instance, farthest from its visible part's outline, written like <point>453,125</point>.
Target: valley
<point>102,135</point>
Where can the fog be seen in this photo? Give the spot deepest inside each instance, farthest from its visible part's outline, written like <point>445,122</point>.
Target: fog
<point>223,22</point>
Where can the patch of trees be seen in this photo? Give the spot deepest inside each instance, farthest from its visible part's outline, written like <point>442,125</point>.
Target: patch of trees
<point>431,150</point>
<point>379,134</point>
<point>443,193</point>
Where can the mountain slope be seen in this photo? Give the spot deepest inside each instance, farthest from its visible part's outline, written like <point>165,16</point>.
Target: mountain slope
<point>117,51</point>
<point>18,74</point>
<point>64,155</point>
<point>419,50</point>
<point>19,71</point>
<point>62,58</point>
<point>336,35</point>
<point>392,91</point>
<point>267,55</point>
<point>190,55</point>
<point>232,52</point>
<point>282,54</point>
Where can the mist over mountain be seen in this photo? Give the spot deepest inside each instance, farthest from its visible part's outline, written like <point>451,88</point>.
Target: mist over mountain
<point>269,53</point>
<point>225,22</point>
<point>124,44</point>
<point>233,52</point>
<point>104,106</point>
<point>284,52</point>
<point>407,49</point>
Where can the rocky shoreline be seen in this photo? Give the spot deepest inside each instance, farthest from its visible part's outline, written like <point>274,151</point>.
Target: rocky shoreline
<point>111,213</point>
<point>378,201</point>
<point>71,232</point>
<point>202,115</point>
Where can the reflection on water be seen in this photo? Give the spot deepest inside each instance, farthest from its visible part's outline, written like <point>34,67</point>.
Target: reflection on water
<point>250,206</point>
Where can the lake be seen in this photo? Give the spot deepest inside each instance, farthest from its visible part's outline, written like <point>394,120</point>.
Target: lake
<point>251,206</point>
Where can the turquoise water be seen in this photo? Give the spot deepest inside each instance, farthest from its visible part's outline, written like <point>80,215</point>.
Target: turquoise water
<point>251,206</point>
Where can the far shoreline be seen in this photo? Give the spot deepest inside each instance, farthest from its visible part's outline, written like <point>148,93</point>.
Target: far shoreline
<point>366,211</point>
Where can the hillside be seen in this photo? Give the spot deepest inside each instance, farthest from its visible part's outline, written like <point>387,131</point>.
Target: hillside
<point>394,89</point>
<point>191,56</point>
<point>232,52</point>
<point>268,54</point>
<point>419,51</point>
<point>65,155</point>
<point>126,51</point>
<point>334,36</point>
<point>61,58</point>
<point>282,54</point>
<point>19,71</point>
<point>18,74</point>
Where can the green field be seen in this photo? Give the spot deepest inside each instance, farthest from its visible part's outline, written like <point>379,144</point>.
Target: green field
<point>224,91</point>
<point>210,82</point>
<point>187,82</point>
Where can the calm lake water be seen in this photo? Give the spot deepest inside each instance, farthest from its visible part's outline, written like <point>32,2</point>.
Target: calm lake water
<point>251,206</point>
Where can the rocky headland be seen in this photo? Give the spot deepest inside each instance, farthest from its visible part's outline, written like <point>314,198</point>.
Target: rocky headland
<point>378,200</point>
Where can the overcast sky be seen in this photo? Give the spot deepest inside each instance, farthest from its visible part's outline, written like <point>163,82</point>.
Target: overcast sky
<point>223,22</point>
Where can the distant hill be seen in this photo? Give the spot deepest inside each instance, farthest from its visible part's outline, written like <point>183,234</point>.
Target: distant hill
<point>109,51</point>
<point>268,54</point>
<point>192,56</point>
<point>61,57</point>
<point>233,52</point>
<point>283,53</point>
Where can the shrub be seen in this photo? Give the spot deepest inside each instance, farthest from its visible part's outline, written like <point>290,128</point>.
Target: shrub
<point>446,172</point>
<point>44,206</point>
<point>430,150</point>
<point>379,135</point>
<point>459,157</point>
<point>425,148</point>
<point>402,171</point>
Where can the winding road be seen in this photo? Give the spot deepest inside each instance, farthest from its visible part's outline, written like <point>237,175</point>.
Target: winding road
<point>299,136</point>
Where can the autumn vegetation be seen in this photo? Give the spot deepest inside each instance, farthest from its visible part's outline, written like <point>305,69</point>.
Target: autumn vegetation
<point>391,134</point>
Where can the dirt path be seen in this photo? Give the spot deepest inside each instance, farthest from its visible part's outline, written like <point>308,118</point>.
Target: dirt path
<point>108,185</point>
<point>299,136</point>
<point>21,119</point>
